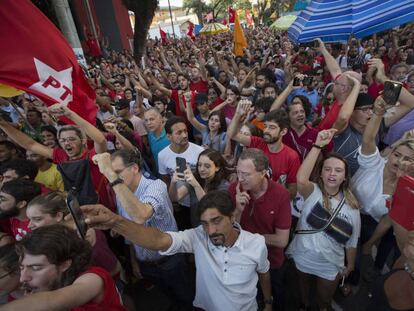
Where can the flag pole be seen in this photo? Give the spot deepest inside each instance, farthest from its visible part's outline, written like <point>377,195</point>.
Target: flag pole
<point>172,24</point>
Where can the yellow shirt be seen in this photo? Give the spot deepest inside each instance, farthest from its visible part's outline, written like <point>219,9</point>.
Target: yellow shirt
<point>51,178</point>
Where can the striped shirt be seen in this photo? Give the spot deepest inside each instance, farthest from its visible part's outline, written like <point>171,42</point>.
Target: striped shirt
<point>153,192</point>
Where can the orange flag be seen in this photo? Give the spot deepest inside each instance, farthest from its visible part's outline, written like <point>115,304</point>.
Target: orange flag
<point>239,39</point>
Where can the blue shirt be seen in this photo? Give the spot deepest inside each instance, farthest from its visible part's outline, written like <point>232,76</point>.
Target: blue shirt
<point>153,192</point>
<point>157,144</point>
<point>313,96</point>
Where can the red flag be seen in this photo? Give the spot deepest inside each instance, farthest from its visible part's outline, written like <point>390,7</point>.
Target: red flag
<point>249,18</point>
<point>36,58</point>
<point>190,31</point>
<point>232,13</point>
<point>163,35</point>
<point>209,16</point>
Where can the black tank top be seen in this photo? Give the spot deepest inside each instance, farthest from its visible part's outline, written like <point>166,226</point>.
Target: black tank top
<point>379,300</point>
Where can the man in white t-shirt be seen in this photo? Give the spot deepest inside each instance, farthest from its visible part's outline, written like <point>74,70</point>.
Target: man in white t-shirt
<point>229,260</point>
<point>177,133</point>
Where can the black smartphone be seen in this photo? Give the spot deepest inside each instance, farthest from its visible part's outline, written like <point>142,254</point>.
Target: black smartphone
<point>307,80</point>
<point>391,93</point>
<point>296,81</point>
<point>315,43</point>
<point>181,164</point>
<point>73,205</point>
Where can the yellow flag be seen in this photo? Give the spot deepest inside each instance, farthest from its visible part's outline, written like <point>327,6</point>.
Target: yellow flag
<point>239,39</point>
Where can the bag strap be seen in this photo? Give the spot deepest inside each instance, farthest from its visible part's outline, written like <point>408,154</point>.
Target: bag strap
<point>330,220</point>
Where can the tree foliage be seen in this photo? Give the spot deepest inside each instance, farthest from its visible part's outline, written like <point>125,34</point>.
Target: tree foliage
<point>144,11</point>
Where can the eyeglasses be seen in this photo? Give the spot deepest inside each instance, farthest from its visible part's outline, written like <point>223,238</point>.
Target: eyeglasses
<point>69,140</point>
<point>119,172</point>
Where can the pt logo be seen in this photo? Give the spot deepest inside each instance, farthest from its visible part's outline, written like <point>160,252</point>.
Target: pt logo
<point>55,84</point>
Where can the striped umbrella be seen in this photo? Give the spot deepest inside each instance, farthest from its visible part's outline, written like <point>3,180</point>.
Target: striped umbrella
<point>213,28</point>
<point>336,20</point>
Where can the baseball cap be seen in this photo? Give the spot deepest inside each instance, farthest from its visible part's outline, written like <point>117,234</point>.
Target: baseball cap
<point>122,104</point>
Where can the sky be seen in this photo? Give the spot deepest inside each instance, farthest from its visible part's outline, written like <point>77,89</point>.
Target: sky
<point>172,2</point>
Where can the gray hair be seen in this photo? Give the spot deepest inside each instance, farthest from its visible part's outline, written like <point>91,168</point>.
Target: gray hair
<point>259,159</point>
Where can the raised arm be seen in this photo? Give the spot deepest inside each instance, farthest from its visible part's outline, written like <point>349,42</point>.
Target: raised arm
<point>137,210</point>
<point>331,63</point>
<point>160,87</point>
<point>305,186</point>
<point>369,144</point>
<point>194,122</point>
<point>281,99</point>
<point>91,131</point>
<point>348,107</point>
<point>25,141</point>
<point>233,130</point>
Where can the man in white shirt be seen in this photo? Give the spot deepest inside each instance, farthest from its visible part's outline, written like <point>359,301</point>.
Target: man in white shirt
<point>229,260</point>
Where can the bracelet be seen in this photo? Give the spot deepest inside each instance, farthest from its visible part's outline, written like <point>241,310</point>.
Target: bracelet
<point>318,147</point>
<point>410,271</point>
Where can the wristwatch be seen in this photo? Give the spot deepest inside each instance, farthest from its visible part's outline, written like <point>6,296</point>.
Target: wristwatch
<point>116,182</point>
<point>269,301</point>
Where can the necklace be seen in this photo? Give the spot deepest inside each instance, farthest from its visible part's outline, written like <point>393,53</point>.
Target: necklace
<point>330,196</point>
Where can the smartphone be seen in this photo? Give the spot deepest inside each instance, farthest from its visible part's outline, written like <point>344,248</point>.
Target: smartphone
<point>296,81</point>
<point>391,93</point>
<point>315,43</point>
<point>73,205</point>
<point>307,80</point>
<point>181,164</point>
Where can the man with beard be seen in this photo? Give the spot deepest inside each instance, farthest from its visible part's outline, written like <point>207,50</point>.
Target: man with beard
<point>55,273</point>
<point>73,158</point>
<point>284,162</point>
<point>15,195</point>
<point>229,260</point>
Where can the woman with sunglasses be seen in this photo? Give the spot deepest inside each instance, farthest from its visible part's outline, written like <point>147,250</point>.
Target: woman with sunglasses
<point>328,228</point>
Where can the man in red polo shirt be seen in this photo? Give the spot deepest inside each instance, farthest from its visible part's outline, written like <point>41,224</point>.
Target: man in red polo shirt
<point>263,206</point>
<point>284,162</point>
<point>198,83</point>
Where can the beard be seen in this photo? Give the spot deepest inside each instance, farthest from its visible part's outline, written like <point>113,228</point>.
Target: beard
<point>10,213</point>
<point>217,242</point>
<point>269,139</point>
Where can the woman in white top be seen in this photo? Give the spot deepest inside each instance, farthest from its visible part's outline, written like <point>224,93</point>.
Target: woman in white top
<point>319,252</point>
<point>374,183</point>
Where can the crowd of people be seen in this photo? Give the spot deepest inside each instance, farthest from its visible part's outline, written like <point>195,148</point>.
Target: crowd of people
<point>237,167</point>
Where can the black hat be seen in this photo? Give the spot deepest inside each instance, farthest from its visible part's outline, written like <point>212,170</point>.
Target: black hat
<point>200,98</point>
<point>364,100</point>
<point>122,104</point>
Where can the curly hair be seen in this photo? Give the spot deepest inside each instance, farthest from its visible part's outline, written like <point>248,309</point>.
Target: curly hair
<point>59,244</point>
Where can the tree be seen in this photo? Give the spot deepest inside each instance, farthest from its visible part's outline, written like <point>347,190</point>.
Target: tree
<point>199,7</point>
<point>144,11</point>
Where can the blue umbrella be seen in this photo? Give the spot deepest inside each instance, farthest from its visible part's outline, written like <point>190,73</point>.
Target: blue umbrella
<point>336,20</point>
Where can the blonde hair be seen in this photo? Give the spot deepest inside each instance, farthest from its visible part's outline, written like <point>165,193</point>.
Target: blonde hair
<point>350,199</point>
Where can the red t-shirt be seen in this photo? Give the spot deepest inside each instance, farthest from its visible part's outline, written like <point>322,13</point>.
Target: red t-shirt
<point>217,102</point>
<point>19,228</point>
<point>98,180</point>
<point>374,89</point>
<point>284,164</point>
<point>200,86</point>
<point>267,213</point>
<point>330,117</point>
<point>111,300</point>
<point>174,97</point>
<point>301,144</point>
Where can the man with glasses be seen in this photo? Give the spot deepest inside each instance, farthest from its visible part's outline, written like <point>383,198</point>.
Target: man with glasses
<point>73,157</point>
<point>145,201</point>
